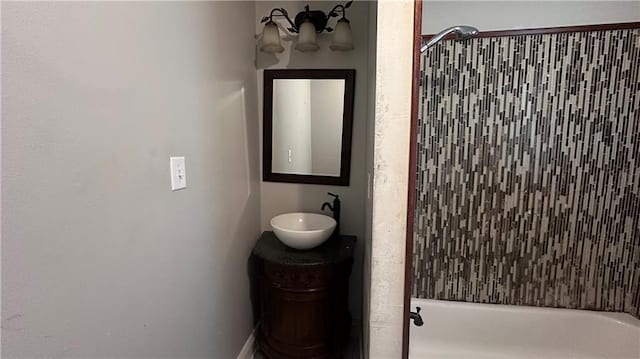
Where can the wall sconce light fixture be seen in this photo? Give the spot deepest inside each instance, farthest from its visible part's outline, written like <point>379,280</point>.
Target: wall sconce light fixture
<point>307,24</point>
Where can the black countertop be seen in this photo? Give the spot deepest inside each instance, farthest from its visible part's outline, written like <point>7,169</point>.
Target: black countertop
<point>335,250</point>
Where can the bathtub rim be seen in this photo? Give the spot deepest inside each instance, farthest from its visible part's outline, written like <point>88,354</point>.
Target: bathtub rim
<point>620,318</point>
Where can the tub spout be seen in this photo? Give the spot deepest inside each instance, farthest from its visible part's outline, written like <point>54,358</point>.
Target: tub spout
<point>416,317</point>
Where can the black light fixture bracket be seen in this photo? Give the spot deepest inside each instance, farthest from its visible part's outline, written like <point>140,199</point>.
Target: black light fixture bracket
<point>317,17</point>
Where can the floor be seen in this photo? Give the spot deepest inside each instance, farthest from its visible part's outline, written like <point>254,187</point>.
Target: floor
<point>353,350</point>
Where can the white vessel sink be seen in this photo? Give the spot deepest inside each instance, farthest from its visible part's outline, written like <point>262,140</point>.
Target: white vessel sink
<point>303,230</point>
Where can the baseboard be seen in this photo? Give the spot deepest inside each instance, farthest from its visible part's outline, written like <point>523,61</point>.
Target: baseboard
<point>249,347</point>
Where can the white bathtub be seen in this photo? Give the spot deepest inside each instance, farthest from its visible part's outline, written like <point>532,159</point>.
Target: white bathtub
<point>467,330</point>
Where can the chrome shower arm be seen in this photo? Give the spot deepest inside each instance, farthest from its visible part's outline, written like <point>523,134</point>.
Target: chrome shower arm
<point>462,32</point>
<point>437,37</point>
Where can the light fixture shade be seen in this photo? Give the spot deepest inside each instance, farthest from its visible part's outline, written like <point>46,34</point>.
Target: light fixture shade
<point>342,39</point>
<point>271,39</point>
<point>307,37</point>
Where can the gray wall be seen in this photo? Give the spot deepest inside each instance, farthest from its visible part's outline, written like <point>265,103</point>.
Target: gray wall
<point>99,257</point>
<point>280,198</point>
<point>327,106</point>
<point>507,15</point>
<point>292,127</point>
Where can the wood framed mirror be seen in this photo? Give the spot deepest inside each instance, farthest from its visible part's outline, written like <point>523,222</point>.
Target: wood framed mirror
<point>308,122</point>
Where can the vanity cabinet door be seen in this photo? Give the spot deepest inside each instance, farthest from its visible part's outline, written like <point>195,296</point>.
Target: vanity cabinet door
<point>300,298</point>
<point>297,318</point>
<point>304,311</point>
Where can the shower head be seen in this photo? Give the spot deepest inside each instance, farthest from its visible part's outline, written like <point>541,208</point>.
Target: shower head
<point>461,32</point>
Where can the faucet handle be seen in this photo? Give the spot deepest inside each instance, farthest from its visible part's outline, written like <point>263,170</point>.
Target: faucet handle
<point>333,195</point>
<point>418,309</point>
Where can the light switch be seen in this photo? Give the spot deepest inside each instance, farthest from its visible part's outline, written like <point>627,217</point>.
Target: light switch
<point>178,173</point>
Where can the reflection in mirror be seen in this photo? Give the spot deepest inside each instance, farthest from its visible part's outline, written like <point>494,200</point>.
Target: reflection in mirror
<point>307,126</point>
<point>308,115</point>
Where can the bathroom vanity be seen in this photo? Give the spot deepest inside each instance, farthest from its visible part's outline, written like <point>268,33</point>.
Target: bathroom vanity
<point>300,298</point>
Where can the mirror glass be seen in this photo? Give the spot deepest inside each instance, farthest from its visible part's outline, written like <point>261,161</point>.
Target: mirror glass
<point>308,115</point>
<point>307,126</point>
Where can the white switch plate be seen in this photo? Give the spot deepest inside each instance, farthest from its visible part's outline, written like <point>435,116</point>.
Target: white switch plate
<point>178,173</point>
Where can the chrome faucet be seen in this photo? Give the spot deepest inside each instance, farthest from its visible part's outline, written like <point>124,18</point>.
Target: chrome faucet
<point>416,317</point>
<point>335,208</point>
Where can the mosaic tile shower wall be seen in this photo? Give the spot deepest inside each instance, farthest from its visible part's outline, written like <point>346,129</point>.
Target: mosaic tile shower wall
<point>528,178</point>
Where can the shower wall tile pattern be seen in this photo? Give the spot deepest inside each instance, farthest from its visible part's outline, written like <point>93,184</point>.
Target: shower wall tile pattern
<point>528,178</point>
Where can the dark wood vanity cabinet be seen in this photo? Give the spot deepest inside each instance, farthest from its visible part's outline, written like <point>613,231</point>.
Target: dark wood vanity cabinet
<point>300,298</point>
